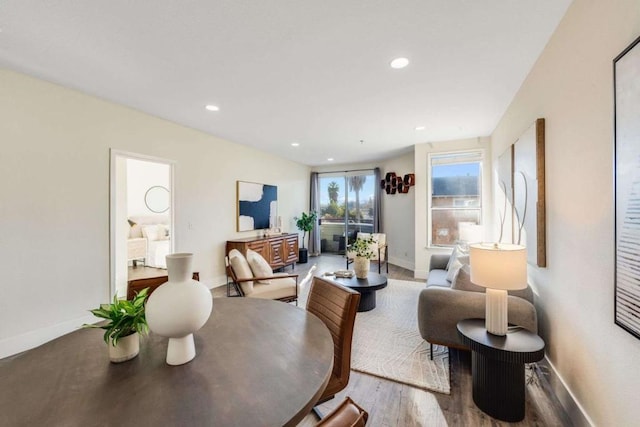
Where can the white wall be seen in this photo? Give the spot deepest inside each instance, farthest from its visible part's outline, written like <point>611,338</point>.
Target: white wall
<point>54,188</point>
<point>571,86</point>
<point>142,175</point>
<point>422,250</point>
<point>398,214</point>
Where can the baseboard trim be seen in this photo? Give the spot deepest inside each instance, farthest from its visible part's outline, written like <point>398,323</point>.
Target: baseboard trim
<point>572,407</point>
<point>18,344</point>
<point>401,263</point>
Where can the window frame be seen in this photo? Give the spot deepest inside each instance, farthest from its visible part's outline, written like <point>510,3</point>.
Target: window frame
<point>472,155</point>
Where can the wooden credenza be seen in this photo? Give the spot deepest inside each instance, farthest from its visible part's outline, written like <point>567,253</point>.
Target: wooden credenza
<point>279,251</point>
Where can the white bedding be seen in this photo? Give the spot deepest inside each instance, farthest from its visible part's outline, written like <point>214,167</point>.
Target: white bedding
<point>157,250</point>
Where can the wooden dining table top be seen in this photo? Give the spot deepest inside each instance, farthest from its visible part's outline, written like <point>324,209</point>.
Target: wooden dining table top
<point>258,363</point>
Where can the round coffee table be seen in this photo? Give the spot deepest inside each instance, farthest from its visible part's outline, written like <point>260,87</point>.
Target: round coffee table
<point>367,288</point>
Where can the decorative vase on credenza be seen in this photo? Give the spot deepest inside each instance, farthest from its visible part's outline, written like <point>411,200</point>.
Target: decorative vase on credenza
<point>179,308</point>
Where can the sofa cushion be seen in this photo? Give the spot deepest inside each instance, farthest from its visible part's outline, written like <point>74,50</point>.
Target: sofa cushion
<point>438,278</point>
<point>259,266</point>
<point>279,288</point>
<point>456,254</point>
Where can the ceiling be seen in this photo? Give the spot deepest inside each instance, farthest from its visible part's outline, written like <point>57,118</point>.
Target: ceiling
<point>307,71</point>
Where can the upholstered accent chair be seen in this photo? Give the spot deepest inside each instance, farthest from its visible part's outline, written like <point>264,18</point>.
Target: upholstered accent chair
<point>253,277</point>
<point>336,306</point>
<point>379,248</point>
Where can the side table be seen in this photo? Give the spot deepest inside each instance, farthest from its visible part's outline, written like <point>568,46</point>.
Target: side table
<point>497,367</point>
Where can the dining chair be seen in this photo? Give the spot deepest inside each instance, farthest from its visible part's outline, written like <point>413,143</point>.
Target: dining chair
<point>336,306</point>
<point>347,414</point>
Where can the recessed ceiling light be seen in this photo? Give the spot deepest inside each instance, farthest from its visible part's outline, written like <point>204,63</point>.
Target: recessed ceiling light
<point>420,128</point>
<point>330,159</point>
<point>399,63</point>
<point>295,144</point>
<point>212,107</point>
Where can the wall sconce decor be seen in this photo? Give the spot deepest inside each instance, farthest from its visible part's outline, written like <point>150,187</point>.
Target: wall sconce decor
<point>393,183</point>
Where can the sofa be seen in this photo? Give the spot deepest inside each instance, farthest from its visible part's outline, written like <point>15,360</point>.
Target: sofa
<point>450,297</point>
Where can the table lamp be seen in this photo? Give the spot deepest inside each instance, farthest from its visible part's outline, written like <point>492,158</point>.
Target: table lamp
<point>499,267</point>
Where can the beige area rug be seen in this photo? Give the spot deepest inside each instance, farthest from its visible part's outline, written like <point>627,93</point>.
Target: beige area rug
<point>387,343</point>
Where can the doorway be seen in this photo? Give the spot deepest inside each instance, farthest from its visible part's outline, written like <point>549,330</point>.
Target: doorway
<point>141,217</point>
<point>347,206</point>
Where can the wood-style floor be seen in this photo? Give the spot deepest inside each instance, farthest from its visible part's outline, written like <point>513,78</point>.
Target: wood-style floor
<point>394,404</point>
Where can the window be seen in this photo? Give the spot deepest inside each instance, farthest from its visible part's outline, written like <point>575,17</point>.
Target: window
<point>456,195</point>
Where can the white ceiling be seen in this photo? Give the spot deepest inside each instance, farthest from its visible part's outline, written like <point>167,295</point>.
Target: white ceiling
<point>310,71</point>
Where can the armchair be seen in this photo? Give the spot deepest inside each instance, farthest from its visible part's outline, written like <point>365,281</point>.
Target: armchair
<point>253,277</point>
<point>379,247</point>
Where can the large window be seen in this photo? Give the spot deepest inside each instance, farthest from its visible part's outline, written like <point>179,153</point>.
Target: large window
<point>456,195</point>
<point>346,207</point>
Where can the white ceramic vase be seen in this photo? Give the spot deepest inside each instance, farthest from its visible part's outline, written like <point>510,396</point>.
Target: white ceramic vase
<point>178,308</point>
<point>125,349</point>
<point>361,267</point>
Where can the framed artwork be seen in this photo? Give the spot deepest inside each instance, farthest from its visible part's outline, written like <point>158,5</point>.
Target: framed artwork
<point>626,77</point>
<point>257,205</point>
<point>521,179</point>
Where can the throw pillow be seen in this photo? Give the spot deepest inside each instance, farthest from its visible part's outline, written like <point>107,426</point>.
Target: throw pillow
<point>259,266</point>
<point>462,281</point>
<point>241,268</point>
<point>150,232</point>
<point>453,270</point>
<point>455,254</point>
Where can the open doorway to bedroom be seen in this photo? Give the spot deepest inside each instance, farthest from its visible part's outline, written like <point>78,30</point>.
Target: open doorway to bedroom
<point>141,225</point>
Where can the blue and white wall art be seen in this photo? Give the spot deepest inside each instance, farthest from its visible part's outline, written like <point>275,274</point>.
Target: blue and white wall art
<point>257,206</point>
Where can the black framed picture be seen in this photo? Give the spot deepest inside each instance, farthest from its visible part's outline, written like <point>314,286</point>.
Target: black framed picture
<point>626,77</point>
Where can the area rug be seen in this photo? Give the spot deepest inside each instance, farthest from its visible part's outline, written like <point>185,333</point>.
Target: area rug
<point>387,343</point>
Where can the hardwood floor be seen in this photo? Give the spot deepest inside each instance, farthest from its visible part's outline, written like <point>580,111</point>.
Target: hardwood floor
<point>393,404</point>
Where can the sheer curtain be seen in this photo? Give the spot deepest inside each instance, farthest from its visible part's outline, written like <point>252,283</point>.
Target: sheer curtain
<point>377,209</point>
<point>314,205</point>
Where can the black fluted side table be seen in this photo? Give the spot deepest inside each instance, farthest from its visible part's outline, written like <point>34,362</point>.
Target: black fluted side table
<point>497,367</point>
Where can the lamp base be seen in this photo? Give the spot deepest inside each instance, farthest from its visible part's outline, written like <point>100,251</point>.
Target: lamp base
<point>496,311</point>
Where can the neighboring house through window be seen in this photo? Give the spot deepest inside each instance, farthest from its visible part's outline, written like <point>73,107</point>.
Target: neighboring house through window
<point>455,185</point>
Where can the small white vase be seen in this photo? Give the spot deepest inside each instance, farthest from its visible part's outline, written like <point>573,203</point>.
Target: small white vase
<point>125,349</point>
<point>361,266</point>
<point>178,308</point>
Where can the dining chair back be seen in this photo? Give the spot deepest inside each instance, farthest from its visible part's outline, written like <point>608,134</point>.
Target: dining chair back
<point>336,306</point>
<point>346,414</point>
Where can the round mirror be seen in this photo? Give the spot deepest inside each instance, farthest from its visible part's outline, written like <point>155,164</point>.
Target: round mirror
<point>157,199</point>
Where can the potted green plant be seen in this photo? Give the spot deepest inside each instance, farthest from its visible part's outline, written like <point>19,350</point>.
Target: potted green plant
<point>363,251</point>
<point>305,223</point>
<point>126,320</point>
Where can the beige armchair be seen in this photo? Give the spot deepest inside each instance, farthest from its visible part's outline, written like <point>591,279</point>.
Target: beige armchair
<point>379,248</point>
<point>253,277</point>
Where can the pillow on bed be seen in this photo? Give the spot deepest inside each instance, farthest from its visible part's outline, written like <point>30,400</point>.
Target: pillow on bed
<point>151,232</point>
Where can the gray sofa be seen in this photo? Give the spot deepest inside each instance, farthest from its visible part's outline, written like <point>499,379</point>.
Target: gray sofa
<point>443,304</point>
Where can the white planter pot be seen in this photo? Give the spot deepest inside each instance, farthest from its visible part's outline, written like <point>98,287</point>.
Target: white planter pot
<point>126,348</point>
<point>178,308</point>
<point>361,267</point>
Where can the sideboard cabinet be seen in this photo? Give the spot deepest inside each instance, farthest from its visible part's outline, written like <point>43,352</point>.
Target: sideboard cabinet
<point>279,251</point>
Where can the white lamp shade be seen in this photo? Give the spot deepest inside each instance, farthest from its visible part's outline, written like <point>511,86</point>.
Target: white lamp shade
<point>498,266</point>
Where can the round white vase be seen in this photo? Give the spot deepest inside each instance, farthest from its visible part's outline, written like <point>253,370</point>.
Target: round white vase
<point>125,349</point>
<point>178,308</point>
<point>361,267</point>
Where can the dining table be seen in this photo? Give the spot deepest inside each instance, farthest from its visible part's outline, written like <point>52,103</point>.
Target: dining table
<point>258,363</point>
